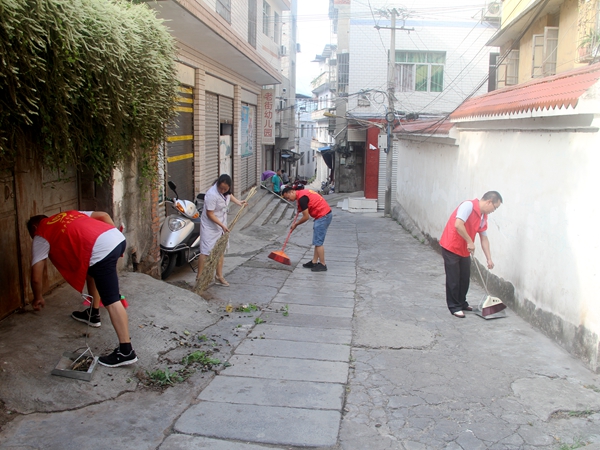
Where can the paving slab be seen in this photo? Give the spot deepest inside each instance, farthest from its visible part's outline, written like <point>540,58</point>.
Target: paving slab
<point>287,369</point>
<point>294,349</point>
<point>184,441</point>
<point>267,392</point>
<point>264,424</point>
<point>309,320</point>
<point>312,309</point>
<point>302,334</point>
<point>297,298</point>
<point>304,287</point>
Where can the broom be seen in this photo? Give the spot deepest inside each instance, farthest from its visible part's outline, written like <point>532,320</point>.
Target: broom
<point>280,255</point>
<point>210,265</point>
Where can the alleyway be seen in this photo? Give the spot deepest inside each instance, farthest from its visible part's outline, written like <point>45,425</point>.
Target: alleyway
<point>364,356</point>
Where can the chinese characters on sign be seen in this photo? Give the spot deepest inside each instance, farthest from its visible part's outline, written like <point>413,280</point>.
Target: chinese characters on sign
<point>268,116</point>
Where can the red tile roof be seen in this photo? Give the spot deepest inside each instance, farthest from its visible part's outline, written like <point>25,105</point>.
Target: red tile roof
<point>558,91</point>
<point>431,127</point>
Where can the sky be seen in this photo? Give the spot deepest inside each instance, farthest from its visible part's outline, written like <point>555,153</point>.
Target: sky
<point>314,29</point>
<point>313,35</point>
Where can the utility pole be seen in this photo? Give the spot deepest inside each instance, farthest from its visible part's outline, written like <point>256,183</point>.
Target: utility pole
<point>389,117</point>
<point>391,111</point>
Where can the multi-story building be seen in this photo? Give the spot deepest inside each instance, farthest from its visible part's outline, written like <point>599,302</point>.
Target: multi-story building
<point>438,61</point>
<point>306,132</point>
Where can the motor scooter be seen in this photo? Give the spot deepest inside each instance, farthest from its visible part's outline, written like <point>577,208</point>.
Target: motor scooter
<point>180,233</point>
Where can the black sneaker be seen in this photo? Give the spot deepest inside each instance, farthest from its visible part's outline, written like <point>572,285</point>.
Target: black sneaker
<point>309,265</point>
<point>86,316</point>
<point>116,359</point>
<point>318,267</point>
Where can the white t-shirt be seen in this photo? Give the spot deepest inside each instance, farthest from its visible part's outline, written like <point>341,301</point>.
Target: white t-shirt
<point>464,211</point>
<point>105,244</point>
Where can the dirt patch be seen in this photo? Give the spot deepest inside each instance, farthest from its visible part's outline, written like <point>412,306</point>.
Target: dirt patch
<point>6,416</point>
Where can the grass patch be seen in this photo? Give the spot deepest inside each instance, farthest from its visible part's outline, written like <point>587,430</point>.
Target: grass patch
<point>247,308</point>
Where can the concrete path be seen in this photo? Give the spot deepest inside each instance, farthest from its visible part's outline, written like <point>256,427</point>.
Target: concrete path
<point>364,356</point>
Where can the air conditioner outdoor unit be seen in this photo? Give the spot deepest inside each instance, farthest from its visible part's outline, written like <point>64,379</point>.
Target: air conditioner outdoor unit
<point>298,48</point>
<point>493,11</point>
<point>283,50</point>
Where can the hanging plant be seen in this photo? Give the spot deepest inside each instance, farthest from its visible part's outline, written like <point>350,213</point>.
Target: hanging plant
<point>89,82</point>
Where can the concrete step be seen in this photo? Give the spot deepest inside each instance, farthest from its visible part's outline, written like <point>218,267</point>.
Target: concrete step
<point>257,205</point>
<point>268,211</point>
<point>278,213</point>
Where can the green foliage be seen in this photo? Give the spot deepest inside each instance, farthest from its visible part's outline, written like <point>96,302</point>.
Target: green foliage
<point>164,377</point>
<point>200,357</point>
<point>86,81</point>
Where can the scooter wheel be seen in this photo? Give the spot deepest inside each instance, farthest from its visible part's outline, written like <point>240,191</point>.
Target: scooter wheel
<point>167,264</point>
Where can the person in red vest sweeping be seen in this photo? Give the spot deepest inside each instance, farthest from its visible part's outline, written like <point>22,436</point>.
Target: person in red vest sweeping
<point>312,204</point>
<point>457,242</point>
<point>83,245</point>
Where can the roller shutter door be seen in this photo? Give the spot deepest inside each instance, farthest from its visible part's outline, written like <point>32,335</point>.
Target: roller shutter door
<point>382,175</point>
<point>180,145</point>
<point>211,141</point>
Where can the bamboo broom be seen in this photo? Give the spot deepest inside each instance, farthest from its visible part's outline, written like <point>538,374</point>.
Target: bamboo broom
<point>210,265</point>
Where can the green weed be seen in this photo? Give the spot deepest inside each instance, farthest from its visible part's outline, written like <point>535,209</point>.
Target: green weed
<point>247,308</point>
<point>164,377</point>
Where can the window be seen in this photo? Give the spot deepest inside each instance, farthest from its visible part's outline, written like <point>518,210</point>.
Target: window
<point>343,72</point>
<point>544,53</point>
<point>224,9</point>
<point>276,28</point>
<point>508,70</point>
<point>301,130</point>
<point>266,14</point>
<point>252,23</point>
<point>419,71</point>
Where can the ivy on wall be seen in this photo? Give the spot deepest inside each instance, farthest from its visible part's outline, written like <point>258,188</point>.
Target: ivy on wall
<point>86,81</point>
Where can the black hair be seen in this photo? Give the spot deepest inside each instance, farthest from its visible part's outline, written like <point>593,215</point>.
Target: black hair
<point>494,196</point>
<point>34,222</point>
<point>286,190</point>
<point>224,178</point>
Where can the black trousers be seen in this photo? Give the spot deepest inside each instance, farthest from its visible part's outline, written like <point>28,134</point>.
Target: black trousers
<point>458,276</point>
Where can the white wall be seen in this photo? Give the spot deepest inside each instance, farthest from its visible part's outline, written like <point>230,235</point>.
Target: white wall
<point>543,239</point>
<point>463,38</point>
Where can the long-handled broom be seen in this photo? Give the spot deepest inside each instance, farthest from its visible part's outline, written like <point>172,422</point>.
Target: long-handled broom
<point>490,307</point>
<point>208,272</point>
<point>279,255</point>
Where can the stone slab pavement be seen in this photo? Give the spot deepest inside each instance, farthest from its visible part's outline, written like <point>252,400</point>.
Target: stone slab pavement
<point>363,356</point>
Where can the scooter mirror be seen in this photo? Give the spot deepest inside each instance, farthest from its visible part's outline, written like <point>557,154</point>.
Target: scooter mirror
<point>172,185</point>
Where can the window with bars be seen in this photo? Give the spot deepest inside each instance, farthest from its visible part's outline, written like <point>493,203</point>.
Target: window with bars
<point>276,28</point>
<point>544,53</point>
<point>224,9</point>
<point>266,15</point>
<point>252,23</point>
<point>588,31</point>
<point>419,71</point>
<point>343,72</point>
<point>507,73</point>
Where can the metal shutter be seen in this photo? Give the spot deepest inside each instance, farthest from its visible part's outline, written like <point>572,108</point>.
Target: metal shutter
<point>382,174</point>
<point>180,145</point>
<point>211,142</point>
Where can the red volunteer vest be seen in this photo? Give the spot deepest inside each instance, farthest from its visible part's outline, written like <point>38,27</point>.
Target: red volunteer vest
<point>452,241</point>
<point>317,206</point>
<point>72,236</point>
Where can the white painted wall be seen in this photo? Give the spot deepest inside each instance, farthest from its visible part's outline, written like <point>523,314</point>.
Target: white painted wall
<point>462,37</point>
<point>543,239</point>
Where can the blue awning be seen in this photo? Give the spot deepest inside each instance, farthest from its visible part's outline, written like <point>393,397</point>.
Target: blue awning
<point>322,149</point>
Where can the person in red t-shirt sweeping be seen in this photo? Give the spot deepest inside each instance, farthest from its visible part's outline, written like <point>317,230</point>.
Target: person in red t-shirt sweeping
<point>457,242</point>
<point>312,204</point>
<point>82,244</point>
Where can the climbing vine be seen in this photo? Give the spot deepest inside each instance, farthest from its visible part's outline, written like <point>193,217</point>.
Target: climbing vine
<point>88,82</point>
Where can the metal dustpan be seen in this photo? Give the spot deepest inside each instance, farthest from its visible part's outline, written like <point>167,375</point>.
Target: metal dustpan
<point>489,307</point>
<point>77,365</point>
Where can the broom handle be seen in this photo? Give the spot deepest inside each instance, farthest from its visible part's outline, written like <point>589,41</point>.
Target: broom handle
<point>290,233</point>
<point>480,275</point>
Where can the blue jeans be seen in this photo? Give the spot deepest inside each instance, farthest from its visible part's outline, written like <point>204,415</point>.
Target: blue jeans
<point>320,229</point>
